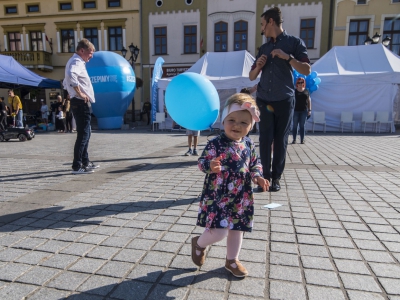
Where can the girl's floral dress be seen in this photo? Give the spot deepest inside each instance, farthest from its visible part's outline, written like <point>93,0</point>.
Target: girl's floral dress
<point>227,198</point>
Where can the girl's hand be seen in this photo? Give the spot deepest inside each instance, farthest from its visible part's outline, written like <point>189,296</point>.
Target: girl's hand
<point>215,165</point>
<point>262,182</point>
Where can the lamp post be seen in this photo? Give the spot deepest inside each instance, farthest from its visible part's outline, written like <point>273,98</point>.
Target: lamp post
<point>375,40</point>
<point>134,55</point>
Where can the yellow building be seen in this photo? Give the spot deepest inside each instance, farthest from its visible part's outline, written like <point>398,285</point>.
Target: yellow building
<point>358,20</point>
<point>42,34</point>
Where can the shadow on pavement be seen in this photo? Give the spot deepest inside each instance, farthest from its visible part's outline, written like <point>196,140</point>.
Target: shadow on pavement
<point>54,217</point>
<point>155,285</point>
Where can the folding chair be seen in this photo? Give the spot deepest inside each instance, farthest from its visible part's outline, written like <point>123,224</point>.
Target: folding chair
<point>319,118</point>
<point>347,117</point>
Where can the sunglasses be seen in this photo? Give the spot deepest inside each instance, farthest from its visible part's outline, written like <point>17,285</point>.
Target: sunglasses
<point>300,82</point>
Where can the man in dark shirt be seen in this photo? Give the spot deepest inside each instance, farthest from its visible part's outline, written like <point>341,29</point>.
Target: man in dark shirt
<point>146,110</point>
<point>275,91</point>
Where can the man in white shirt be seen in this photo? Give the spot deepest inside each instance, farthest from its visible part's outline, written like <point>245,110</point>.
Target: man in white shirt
<point>77,83</point>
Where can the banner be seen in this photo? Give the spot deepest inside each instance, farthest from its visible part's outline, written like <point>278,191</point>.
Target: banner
<point>157,74</point>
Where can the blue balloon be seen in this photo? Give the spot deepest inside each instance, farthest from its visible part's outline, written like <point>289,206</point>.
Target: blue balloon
<point>114,84</point>
<point>313,88</point>
<point>313,74</point>
<point>192,101</point>
<point>317,81</point>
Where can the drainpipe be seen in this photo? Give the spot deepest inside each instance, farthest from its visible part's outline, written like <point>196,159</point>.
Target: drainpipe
<point>330,33</point>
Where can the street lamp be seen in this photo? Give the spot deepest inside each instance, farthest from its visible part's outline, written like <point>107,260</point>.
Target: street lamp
<point>134,53</point>
<point>375,40</point>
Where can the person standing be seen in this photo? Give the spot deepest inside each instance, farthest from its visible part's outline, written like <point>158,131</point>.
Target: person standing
<point>3,114</point>
<point>44,110</point>
<point>302,109</point>
<point>276,60</point>
<point>146,110</point>
<point>192,135</point>
<point>16,108</point>
<point>79,87</point>
<point>68,115</point>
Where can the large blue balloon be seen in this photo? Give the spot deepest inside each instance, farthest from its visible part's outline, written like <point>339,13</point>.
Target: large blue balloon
<point>114,84</point>
<point>192,101</point>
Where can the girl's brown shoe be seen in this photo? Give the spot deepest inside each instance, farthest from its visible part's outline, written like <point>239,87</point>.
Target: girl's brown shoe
<point>198,260</point>
<point>236,268</point>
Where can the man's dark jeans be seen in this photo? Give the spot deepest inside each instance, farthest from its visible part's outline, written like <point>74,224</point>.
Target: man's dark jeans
<point>82,115</point>
<point>275,120</point>
<point>299,120</point>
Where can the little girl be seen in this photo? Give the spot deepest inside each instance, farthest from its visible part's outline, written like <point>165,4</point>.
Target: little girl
<point>61,120</point>
<point>230,161</point>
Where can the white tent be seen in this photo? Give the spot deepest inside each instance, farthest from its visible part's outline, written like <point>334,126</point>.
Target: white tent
<point>228,71</point>
<point>356,79</point>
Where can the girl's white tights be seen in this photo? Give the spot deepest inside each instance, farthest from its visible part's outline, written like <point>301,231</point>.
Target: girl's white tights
<point>233,241</point>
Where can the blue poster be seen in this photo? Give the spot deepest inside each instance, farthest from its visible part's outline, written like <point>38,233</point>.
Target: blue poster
<point>157,73</point>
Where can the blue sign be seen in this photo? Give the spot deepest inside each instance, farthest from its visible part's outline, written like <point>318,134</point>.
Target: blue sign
<point>157,74</point>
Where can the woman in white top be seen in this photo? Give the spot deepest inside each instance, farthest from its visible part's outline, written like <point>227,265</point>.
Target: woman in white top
<point>60,119</point>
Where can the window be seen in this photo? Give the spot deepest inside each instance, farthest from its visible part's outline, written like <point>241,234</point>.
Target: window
<point>92,35</point>
<point>391,28</point>
<point>67,41</point>
<point>160,40</point>
<point>190,39</point>
<point>114,3</point>
<point>36,41</point>
<point>33,8</point>
<point>14,41</point>
<point>89,4</point>
<point>115,38</point>
<point>358,32</point>
<point>307,31</point>
<point>396,1</point>
<point>220,37</point>
<point>361,1</point>
<point>240,40</point>
<point>11,10</point>
<point>66,6</point>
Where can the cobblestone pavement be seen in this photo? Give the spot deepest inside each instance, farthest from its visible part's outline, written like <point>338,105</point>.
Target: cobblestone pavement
<point>124,232</point>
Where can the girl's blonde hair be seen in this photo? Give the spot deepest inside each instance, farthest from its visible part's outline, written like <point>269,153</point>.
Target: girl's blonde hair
<point>240,98</point>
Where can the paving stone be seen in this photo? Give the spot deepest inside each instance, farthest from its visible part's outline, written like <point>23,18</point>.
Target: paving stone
<point>351,266</point>
<point>38,275</point>
<point>16,291</point>
<point>240,287</point>
<point>309,250</point>
<point>254,244</point>
<point>8,240</point>
<point>33,258</point>
<point>168,292</point>
<point>386,270</point>
<point>211,281</point>
<point>10,254</point>
<point>102,252</point>
<point>394,247</point>
<point>284,259</point>
<point>116,241</point>
<point>99,285</point>
<point>92,239</point>
<point>369,245</point>
<point>317,263</point>
<point>46,293</point>
<point>356,295</point>
<point>310,239</point>
<point>339,242</point>
<point>320,277</point>
<point>178,277</point>
<point>285,273</point>
<point>29,243</point>
<point>151,234</point>
<point>334,232</point>
<point>359,282</point>
<point>52,246</point>
<point>79,249</point>
<point>167,246</point>
<point>182,262</point>
<point>284,247</point>
<point>114,269</point>
<point>127,288</point>
<point>391,286</point>
<point>87,265</point>
<point>345,253</point>
<point>129,255</point>
<point>377,256</point>
<point>60,261</point>
<point>202,294</point>
<point>317,293</point>
<point>11,271</point>
<point>286,290</point>
<point>68,281</point>
<point>146,273</point>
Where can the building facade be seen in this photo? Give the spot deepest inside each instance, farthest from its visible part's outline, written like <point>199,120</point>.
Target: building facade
<point>42,35</point>
<point>357,20</point>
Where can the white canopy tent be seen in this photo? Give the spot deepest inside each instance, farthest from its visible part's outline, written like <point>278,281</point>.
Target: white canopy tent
<point>356,79</point>
<point>228,72</point>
